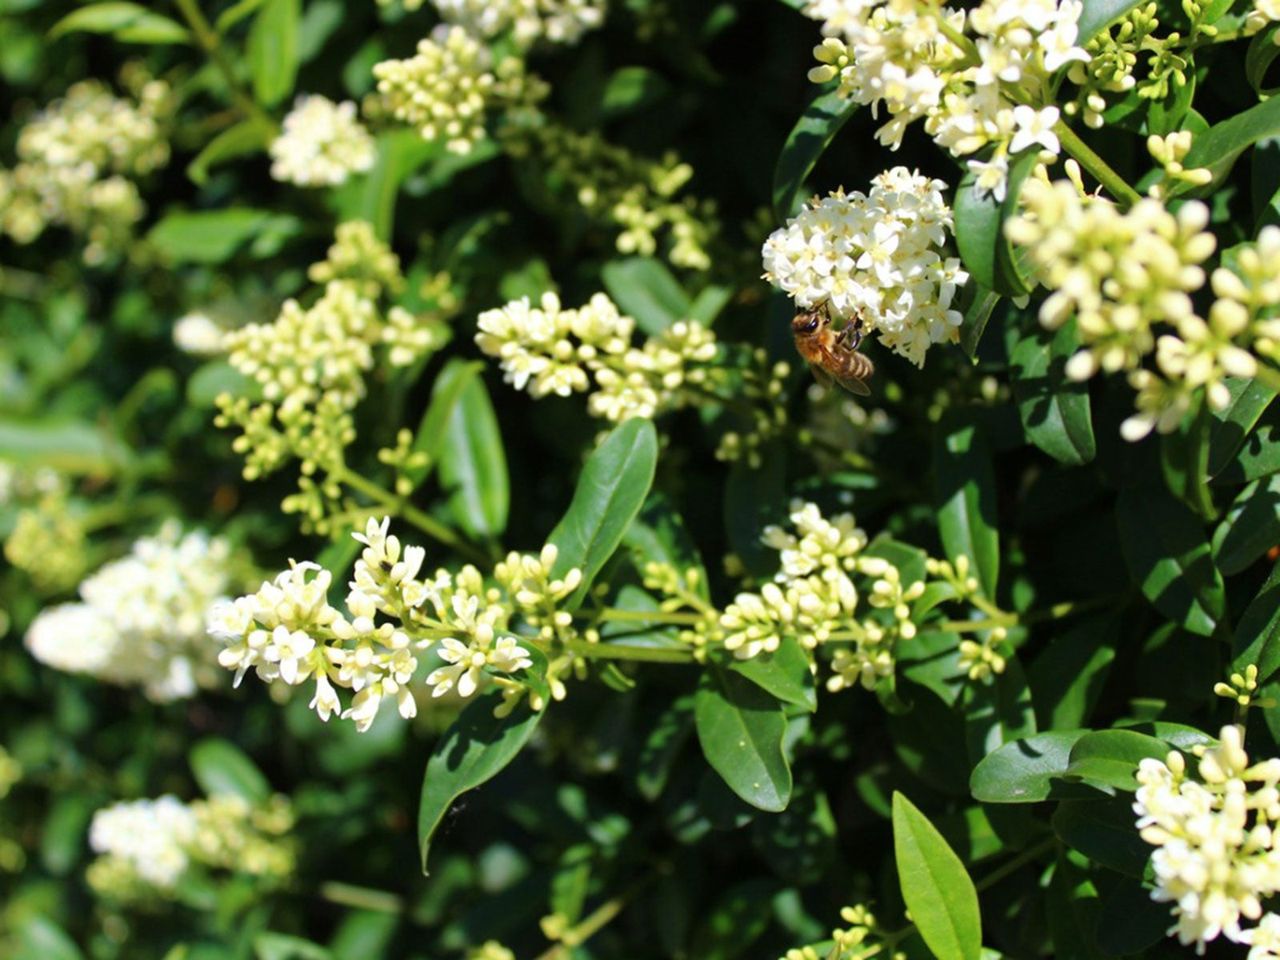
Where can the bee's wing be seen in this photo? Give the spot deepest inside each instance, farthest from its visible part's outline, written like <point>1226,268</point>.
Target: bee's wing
<point>854,385</point>
<point>825,380</point>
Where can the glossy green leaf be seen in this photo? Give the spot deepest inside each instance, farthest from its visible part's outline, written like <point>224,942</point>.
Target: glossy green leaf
<point>741,728</point>
<point>935,886</point>
<point>1111,757</point>
<point>39,938</point>
<point>128,22</point>
<point>1169,558</point>
<point>211,236</point>
<point>645,289</point>
<point>473,463</point>
<point>1258,455</point>
<point>372,197</point>
<point>1218,147</point>
<point>283,946</point>
<point>808,140</point>
<point>1262,53</point>
<point>475,749</point>
<point>244,138</point>
<point>272,50</point>
<point>1024,771</point>
<point>610,492</point>
<point>980,238</point>
<point>1184,460</point>
<point>1068,675</point>
<point>220,767</point>
<point>1103,830</point>
<point>1250,528</point>
<point>1257,635</point>
<point>965,494</point>
<point>784,673</point>
<point>1096,15</point>
<point>446,393</point>
<point>630,89</point>
<point>980,304</point>
<point>998,712</point>
<point>665,737</point>
<point>1232,425</point>
<point>1054,409</point>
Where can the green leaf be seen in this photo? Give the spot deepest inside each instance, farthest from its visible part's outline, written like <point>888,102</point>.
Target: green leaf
<point>1232,424</point>
<point>446,393</point>
<point>808,140</point>
<point>965,495</point>
<point>211,236</point>
<point>272,50</point>
<point>475,749</point>
<point>977,313</point>
<point>980,238</point>
<point>1169,558</point>
<point>128,22</point>
<point>1257,635</point>
<point>1103,830</point>
<point>1130,922</point>
<point>1218,147</point>
<point>999,712</point>
<point>1111,757</point>
<point>68,446</point>
<point>1262,53</point>
<point>372,197</point>
<point>1097,15</point>
<point>935,886</point>
<point>473,463</point>
<point>1258,455</point>
<point>646,290</point>
<point>610,492</point>
<point>754,497</point>
<point>741,728</point>
<point>222,768</point>
<point>1067,677</point>
<point>629,89</point>
<point>39,938</point>
<point>1053,408</point>
<point>215,378</point>
<point>666,736</point>
<point>229,17</point>
<point>1250,528</point>
<point>785,673</point>
<point>282,946</point>
<point>1184,460</point>
<point>1023,771</point>
<point>240,140</point>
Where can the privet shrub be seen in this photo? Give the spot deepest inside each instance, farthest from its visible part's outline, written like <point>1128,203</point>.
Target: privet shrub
<point>425,538</point>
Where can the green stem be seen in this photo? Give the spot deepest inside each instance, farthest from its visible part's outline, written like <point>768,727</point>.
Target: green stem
<point>1009,866</point>
<point>211,43</point>
<point>597,920</point>
<point>1097,167</point>
<point>424,522</point>
<point>948,30</point>
<point>613,614</point>
<point>361,898</point>
<point>618,651</point>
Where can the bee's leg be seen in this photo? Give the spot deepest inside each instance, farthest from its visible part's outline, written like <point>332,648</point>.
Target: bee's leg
<point>851,335</point>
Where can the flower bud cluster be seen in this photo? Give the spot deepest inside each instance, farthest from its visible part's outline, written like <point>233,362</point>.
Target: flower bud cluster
<point>1128,278</point>
<point>556,21</point>
<point>140,621</point>
<point>449,87</point>
<point>147,848</point>
<point>77,159</point>
<point>322,144</point>
<point>982,80</point>
<point>395,616</point>
<point>48,538</point>
<point>631,193</point>
<point>847,943</point>
<point>359,256</point>
<point>1216,856</point>
<point>876,257</point>
<point>547,349</point>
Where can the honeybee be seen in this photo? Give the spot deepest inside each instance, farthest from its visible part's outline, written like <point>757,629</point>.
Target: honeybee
<point>832,356</point>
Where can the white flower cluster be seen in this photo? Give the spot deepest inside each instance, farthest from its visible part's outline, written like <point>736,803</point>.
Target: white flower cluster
<point>875,257</point>
<point>289,632</point>
<point>1128,279</point>
<point>322,144</point>
<point>150,836</point>
<point>558,21</point>
<point>447,88</point>
<point>990,90</point>
<point>147,847</point>
<point>75,161</point>
<point>1217,857</point>
<point>547,349</point>
<point>141,619</point>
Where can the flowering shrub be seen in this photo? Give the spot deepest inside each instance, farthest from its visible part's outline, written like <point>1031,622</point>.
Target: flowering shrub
<point>434,526</point>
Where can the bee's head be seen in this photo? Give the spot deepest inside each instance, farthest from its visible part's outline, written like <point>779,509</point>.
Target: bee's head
<point>807,322</point>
